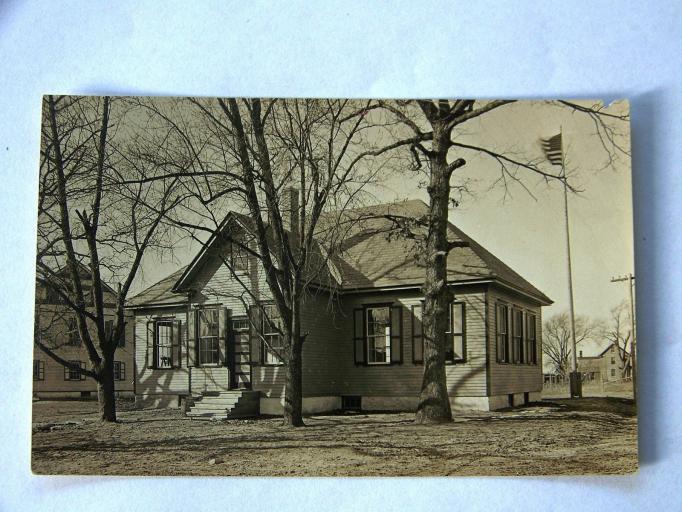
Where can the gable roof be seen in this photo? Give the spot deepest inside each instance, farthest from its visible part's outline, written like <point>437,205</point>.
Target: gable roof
<point>322,274</point>
<point>370,259</point>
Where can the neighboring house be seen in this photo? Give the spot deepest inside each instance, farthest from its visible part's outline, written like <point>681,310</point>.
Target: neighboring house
<point>605,366</point>
<point>195,331</point>
<point>55,326</point>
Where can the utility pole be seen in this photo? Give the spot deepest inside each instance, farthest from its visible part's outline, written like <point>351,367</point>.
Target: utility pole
<point>633,344</point>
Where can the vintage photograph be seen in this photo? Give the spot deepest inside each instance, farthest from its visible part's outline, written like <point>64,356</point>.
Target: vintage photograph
<point>334,287</point>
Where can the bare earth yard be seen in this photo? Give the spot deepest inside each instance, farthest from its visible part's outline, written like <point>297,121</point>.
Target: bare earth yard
<point>590,435</point>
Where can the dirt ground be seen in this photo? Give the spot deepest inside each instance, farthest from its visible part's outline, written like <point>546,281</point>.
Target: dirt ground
<point>591,435</point>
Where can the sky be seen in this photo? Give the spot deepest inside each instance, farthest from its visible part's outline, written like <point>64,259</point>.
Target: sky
<point>523,223</point>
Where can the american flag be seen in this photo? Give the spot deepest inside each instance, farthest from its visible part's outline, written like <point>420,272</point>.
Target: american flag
<point>553,149</point>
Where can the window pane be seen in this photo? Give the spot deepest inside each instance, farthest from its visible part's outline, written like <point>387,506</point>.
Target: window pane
<point>457,318</point>
<point>458,346</point>
<point>208,322</point>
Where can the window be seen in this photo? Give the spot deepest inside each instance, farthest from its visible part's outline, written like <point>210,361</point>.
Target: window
<point>517,336</point>
<point>454,350</point>
<point>119,370</point>
<point>378,335</point>
<point>209,348</point>
<point>163,344</point>
<point>72,335</point>
<point>613,372</point>
<point>273,341</point>
<point>38,369</point>
<point>531,343</point>
<point>502,320</point>
<point>613,360</point>
<point>240,324</point>
<point>75,372</point>
<point>239,258</point>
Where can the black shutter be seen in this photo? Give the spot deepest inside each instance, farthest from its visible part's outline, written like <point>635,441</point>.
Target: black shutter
<point>149,355</point>
<point>254,334</point>
<point>359,343</point>
<point>192,348</point>
<point>396,318</point>
<point>223,319</point>
<point>417,335</point>
<point>176,345</point>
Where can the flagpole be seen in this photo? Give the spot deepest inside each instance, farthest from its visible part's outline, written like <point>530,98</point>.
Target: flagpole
<point>575,387</point>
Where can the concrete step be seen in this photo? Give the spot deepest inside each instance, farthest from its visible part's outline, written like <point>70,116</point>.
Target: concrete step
<point>226,405</point>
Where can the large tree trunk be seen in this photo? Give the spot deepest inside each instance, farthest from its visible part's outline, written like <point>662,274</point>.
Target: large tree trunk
<point>105,391</point>
<point>434,403</point>
<point>293,397</point>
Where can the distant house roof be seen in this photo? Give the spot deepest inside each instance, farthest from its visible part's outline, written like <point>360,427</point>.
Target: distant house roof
<point>61,278</point>
<point>608,347</point>
<point>371,258</point>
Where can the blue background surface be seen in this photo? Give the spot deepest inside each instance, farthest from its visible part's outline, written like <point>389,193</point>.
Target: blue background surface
<point>352,49</point>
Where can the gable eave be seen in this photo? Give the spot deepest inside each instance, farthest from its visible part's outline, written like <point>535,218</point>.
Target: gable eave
<point>181,286</point>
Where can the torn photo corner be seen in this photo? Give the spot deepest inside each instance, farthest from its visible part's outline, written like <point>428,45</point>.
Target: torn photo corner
<point>334,287</point>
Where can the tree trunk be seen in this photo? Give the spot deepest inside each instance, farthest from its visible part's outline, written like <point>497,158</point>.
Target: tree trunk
<point>105,391</point>
<point>434,403</point>
<point>293,396</point>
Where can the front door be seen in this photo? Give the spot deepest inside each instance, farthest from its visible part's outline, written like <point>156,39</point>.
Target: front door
<point>240,350</point>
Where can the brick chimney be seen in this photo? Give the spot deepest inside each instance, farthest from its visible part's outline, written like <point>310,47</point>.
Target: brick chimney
<point>289,205</point>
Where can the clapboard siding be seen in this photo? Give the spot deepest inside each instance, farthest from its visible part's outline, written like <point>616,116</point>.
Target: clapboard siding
<point>53,320</point>
<point>507,378</point>
<point>171,381</point>
<point>323,320</point>
<point>463,379</point>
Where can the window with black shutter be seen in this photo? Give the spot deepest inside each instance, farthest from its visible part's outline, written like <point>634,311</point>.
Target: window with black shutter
<point>517,336</point>
<point>359,336</point>
<point>119,370</point>
<point>75,371</point>
<point>396,348</point>
<point>502,333</point>
<point>531,339</point>
<point>455,335</point>
<point>273,341</point>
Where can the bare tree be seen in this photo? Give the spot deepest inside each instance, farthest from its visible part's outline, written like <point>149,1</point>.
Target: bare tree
<point>556,338</point>
<point>618,333</point>
<point>294,167</point>
<point>433,130</point>
<point>93,228</point>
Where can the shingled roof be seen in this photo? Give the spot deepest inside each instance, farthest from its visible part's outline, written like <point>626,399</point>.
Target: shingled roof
<point>373,259</point>
<point>160,293</point>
